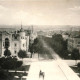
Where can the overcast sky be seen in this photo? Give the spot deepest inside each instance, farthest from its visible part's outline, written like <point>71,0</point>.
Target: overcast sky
<point>40,12</point>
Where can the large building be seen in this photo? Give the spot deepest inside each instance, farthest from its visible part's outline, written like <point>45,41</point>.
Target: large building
<point>17,40</point>
<point>74,42</point>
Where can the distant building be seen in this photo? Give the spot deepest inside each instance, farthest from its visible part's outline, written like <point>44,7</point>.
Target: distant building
<point>65,36</point>
<point>17,40</point>
<point>33,35</point>
<point>74,42</point>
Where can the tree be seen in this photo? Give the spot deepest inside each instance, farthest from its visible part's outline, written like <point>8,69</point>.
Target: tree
<point>20,76</point>
<point>7,53</point>
<point>31,49</point>
<point>2,61</point>
<point>22,54</point>
<point>39,47</point>
<point>10,63</point>
<point>32,46</point>
<point>36,41</point>
<point>59,45</point>
<point>75,54</point>
<point>78,67</point>
<point>6,75</point>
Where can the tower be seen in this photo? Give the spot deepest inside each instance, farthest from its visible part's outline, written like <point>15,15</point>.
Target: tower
<point>22,39</point>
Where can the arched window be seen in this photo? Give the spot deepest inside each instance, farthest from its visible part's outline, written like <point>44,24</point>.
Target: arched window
<point>7,44</point>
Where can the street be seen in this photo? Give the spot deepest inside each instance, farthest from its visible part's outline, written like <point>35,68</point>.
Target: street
<point>54,70</point>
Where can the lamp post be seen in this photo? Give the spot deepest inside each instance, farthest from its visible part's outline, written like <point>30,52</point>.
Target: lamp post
<point>20,76</point>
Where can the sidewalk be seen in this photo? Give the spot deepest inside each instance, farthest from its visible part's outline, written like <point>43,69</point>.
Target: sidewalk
<point>69,73</point>
<point>34,71</point>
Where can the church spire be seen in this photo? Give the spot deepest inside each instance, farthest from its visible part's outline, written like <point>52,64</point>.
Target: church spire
<point>21,27</point>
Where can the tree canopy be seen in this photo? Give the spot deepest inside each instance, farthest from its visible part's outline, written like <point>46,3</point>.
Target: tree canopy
<point>22,54</point>
<point>75,54</point>
<point>6,75</point>
<point>9,63</point>
<point>7,53</point>
<point>59,45</point>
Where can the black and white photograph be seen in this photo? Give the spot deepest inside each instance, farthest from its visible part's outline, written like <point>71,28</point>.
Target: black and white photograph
<point>39,39</point>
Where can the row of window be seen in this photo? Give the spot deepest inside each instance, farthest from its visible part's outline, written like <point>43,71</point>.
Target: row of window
<point>22,38</point>
<point>16,38</point>
<point>14,44</point>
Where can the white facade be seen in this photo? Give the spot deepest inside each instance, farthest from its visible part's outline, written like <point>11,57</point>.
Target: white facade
<point>65,37</point>
<point>17,41</point>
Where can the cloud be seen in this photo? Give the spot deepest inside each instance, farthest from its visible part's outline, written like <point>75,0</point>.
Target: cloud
<point>75,8</point>
<point>2,8</point>
<point>21,14</point>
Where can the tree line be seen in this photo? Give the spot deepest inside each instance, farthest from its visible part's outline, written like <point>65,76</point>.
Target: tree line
<point>38,47</point>
<point>57,43</point>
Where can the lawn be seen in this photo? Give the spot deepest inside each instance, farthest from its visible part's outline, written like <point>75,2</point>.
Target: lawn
<point>76,70</point>
<point>24,68</point>
<point>24,73</point>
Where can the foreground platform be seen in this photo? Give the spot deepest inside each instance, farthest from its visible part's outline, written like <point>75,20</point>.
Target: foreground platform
<point>53,69</point>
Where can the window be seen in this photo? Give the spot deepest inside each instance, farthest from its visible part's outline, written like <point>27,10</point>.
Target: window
<point>15,37</point>
<point>23,45</point>
<point>15,52</point>
<point>21,37</point>
<point>15,44</point>
<point>3,44</point>
<point>7,43</point>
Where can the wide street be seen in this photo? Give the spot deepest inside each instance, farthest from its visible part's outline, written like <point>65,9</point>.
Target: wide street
<point>53,69</point>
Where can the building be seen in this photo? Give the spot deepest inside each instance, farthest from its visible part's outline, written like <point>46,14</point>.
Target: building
<point>74,42</point>
<point>65,37</point>
<point>17,40</point>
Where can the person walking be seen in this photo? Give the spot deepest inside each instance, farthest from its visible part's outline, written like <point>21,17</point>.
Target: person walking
<point>41,74</point>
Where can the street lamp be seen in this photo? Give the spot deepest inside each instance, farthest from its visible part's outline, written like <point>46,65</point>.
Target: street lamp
<point>20,76</point>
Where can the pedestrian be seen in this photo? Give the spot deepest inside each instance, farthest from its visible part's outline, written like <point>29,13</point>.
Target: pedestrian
<point>40,73</point>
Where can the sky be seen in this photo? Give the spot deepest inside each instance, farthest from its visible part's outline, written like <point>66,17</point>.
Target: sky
<point>40,12</point>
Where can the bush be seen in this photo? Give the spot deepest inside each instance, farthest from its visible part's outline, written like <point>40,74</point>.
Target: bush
<point>10,63</point>
<point>22,54</point>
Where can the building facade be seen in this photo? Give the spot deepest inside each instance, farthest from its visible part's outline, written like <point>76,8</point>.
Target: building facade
<point>17,40</point>
<point>74,42</point>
